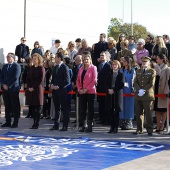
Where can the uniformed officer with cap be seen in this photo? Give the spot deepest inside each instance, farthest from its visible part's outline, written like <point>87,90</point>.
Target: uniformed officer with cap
<point>144,95</point>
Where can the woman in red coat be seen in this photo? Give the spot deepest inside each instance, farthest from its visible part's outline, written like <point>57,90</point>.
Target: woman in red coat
<point>86,85</point>
<point>35,91</point>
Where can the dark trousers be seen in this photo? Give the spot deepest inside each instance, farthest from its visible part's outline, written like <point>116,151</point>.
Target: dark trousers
<point>36,110</point>
<point>102,108</point>
<point>60,103</point>
<point>46,106</point>
<point>114,119</point>
<point>12,105</point>
<point>87,101</point>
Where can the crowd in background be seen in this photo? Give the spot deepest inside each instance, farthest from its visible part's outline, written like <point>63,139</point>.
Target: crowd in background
<point>125,66</point>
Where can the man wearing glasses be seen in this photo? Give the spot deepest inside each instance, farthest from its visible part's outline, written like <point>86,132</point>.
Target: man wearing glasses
<point>22,51</point>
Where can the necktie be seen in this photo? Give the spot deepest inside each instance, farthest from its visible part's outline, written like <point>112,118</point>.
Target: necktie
<point>56,70</point>
<point>9,66</point>
<point>143,71</point>
<point>100,67</point>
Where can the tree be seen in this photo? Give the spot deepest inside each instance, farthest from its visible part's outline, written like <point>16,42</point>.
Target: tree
<point>117,27</point>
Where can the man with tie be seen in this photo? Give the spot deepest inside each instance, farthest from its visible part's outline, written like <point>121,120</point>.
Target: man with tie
<point>103,70</point>
<point>59,82</point>
<point>10,90</point>
<point>144,96</point>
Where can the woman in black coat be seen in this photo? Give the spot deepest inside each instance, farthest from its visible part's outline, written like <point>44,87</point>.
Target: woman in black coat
<point>114,99</point>
<point>35,92</point>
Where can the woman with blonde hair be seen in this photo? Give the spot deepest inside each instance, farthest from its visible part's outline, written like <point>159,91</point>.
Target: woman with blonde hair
<point>35,89</point>
<point>159,48</point>
<point>84,47</point>
<point>114,89</point>
<point>112,48</point>
<point>71,50</point>
<point>86,85</point>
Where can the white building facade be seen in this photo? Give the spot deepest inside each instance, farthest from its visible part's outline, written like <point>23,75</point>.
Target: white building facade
<point>47,20</point>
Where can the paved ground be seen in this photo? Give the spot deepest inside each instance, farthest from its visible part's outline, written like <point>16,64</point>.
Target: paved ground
<point>156,161</point>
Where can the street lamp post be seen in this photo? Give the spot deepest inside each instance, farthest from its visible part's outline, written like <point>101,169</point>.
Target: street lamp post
<point>131,18</point>
<point>24,18</point>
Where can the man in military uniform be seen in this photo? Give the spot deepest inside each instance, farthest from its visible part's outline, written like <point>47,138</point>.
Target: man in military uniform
<point>144,96</point>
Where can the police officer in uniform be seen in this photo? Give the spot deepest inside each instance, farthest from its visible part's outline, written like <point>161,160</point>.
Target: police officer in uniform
<point>144,96</point>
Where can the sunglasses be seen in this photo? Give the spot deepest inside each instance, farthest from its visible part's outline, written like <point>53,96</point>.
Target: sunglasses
<point>23,40</point>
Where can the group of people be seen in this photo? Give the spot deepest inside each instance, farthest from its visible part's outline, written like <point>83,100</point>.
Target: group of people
<point>117,70</point>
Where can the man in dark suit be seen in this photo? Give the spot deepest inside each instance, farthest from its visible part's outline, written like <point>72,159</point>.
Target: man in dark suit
<point>103,70</point>
<point>102,45</point>
<point>76,67</point>
<point>10,90</point>
<point>59,82</point>
<point>22,51</point>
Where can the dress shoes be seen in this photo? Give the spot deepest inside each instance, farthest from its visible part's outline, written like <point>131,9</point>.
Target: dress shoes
<point>64,129</point>
<point>138,133</point>
<point>6,125</point>
<point>14,125</point>
<point>54,128</point>
<point>34,126</point>
<point>113,130</point>
<point>150,134</point>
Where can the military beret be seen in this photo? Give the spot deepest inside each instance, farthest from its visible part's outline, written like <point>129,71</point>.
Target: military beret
<point>145,58</point>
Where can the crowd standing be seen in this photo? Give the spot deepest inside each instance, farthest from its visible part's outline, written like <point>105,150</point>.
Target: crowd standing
<point>128,72</point>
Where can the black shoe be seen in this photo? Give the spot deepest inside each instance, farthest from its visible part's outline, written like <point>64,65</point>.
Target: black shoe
<point>157,130</point>
<point>14,125</point>
<point>138,133</point>
<point>82,129</point>
<point>27,116</point>
<point>36,126</point>
<point>33,126</point>
<point>6,125</point>
<point>150,134</point>
<point>110,131</point>
<point>54,128</point>
<point>64,129</point>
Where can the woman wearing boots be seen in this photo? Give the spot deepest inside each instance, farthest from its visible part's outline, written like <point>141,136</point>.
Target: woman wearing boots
<point>35,94</point>
<point>114,99</point>
<point>127,115</point>
<point>86,81</point>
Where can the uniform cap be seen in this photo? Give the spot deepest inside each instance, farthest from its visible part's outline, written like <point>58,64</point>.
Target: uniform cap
<point>145,58</point>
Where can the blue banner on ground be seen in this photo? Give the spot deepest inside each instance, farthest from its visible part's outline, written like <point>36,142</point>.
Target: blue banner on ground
<point>19,151</point>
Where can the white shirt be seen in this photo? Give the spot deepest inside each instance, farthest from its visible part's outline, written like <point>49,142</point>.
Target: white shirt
<point>53,50</point>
